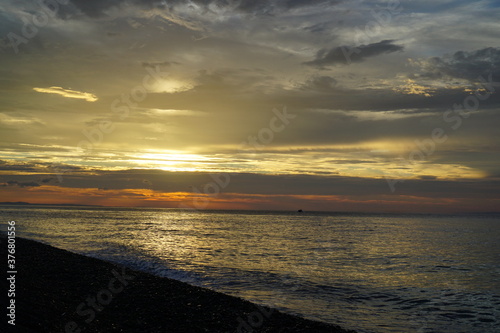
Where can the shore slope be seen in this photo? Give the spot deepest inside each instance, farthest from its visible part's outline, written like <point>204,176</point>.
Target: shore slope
<point>59,291</point>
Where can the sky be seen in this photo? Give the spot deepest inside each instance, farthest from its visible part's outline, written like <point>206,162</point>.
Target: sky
<point>361,106</point>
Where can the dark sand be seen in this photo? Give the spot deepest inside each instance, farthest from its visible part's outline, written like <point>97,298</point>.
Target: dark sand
<point>55,290</point>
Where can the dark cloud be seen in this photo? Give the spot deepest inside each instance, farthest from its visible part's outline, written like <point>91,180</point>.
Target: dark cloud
<point>341,98</point>
<point>302,3</point>
<point>4,165</point>
<point>424,177</point>
<point>20,184</point>
<point>38,167</point>
<point>463,65</point>
<point>97,8</point>
<point>321,83</point>
<point>266,7</point>
<point>347,54</point>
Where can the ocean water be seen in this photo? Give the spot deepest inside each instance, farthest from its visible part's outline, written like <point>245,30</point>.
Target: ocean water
<point>371,273</point>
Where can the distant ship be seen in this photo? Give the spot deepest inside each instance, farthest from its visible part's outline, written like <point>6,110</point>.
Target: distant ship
<point>299,211</point>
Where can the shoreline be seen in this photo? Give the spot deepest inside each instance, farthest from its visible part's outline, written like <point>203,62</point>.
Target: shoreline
<point>60,291</point>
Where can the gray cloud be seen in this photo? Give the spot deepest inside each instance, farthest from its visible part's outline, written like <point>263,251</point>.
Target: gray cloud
<point>463,65</point>
<point>303,3</point>
<point>321,83</point>
<point>97,8</point>
<point>347,54</point>
<point>266,7</point>
<point>20,184</point>
<point>38,167</point>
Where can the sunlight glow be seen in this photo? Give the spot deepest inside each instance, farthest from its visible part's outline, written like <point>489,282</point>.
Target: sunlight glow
<point>173,161</point>
<point>173,86</point>
<point>68,93</point>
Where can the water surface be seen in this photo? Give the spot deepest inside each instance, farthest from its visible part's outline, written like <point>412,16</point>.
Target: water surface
<point>371,273</point>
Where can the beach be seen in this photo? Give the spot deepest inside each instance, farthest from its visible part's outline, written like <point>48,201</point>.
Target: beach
<point>60,291</point>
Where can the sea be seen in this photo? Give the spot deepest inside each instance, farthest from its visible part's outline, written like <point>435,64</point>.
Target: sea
<point>366,272</point>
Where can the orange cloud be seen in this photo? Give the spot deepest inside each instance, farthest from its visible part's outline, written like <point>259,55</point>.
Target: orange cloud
<point>49,194</point>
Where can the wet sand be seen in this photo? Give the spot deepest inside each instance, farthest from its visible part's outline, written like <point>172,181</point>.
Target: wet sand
<point>59,291</point>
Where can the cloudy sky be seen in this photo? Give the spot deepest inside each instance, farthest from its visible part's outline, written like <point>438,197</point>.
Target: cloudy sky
<point>386,106</point>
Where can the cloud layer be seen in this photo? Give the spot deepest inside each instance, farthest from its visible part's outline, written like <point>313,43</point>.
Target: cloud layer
<point>348,54</point>
<point>67,93</point>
